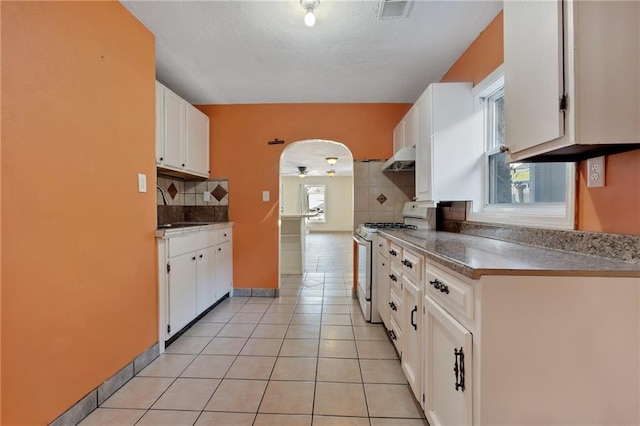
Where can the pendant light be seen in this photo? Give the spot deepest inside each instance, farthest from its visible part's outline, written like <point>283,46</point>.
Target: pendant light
<point>309,15</point>
<point>332,160</point>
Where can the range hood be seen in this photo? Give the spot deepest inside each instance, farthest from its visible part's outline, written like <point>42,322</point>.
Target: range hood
<point>402,161</point>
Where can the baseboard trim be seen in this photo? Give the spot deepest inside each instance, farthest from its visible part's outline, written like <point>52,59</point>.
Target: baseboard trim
<point>81,409</point>
<point>256,292</point>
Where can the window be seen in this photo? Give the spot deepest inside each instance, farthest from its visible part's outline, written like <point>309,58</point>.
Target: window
<point>315,203</point>
<point>520,193</point>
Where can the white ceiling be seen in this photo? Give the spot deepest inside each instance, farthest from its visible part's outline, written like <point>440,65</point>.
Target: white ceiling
<point>312,155</point>
<point>239,51</point>
<point>260,51</point>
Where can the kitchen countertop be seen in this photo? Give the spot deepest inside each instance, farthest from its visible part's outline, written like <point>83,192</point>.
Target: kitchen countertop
<point>474,256</point>
<point>182,228</point>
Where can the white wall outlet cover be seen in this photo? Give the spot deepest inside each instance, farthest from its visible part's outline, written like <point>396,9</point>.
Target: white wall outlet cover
<point>207,196</point>
<point>265,195</point>
<point>595,172</point>
<point>142,182</point>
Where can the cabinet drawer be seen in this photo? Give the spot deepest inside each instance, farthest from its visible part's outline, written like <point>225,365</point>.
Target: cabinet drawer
<point>223,235</point>
<point>412,265</point>
<point>395,333</point>
<point>383,247</point>
<point>395,303</point>
<point>451,292</point>
<point>395,278</point>
<point>395,252</point>
<point>188,243</point>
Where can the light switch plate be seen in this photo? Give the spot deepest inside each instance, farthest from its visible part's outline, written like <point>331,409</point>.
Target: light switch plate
<point>207,196</point>
<point>142,182</point>
<point>595,172</point>
<point>265,195</point>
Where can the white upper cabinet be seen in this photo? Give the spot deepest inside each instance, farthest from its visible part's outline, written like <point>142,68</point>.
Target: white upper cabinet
<point>448,163</point>
<point>398,136</point>
<point>159,123</point>
<point>572,78</point>
<point>197,142</point>
<point>174,131</point>
<point>182,135</point>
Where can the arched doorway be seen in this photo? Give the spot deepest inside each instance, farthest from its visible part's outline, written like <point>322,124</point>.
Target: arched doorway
<point>316,207</point>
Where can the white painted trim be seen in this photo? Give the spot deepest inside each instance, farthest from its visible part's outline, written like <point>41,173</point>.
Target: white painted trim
<point>550,215</point>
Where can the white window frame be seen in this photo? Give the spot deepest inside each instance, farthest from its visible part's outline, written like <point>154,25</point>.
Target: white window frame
<point>548,215</point>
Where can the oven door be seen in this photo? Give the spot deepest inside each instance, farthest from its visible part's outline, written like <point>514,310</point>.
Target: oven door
<point>363,277</point>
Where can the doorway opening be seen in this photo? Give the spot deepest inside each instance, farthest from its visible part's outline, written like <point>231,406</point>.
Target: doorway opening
<point>316,208</point>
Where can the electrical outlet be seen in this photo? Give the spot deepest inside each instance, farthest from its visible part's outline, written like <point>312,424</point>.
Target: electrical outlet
<point>595,172</point>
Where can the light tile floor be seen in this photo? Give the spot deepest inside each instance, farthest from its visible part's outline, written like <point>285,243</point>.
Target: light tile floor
<point>307,357</point>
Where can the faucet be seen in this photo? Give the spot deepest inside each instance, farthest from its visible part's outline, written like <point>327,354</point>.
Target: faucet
<point>164,196</point>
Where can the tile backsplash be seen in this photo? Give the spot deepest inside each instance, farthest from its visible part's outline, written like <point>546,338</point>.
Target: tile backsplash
<point>379,196</point>
<point>186,200</point>
<point>181,193</point>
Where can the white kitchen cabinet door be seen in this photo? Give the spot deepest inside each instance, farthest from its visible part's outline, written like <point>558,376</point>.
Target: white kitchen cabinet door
<point>382,287</point>
<point>448,367</point>
<point>182,292</point>
<point>448,162</point>
<point>159,124</point>
<point>398,136</point>
<point>410,128</point>
<point>174,130</point>
<point>197,142</point>
<point>424,141</point>
<point>224,269</point>
<point>588,51</point>
<point>411,339</point>
<point>205,279</point>
<point>534,80</point>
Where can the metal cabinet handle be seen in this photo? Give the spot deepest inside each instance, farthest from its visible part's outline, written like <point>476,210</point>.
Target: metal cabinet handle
<point>193,258</point>
<point>393,335</point>
<point>407,263</point>
<point>413,323</point>
<point>393,278</point>
<point>200,256</point>
<point>393,252</point>
<point>458,368</point>
<point>161,159</point>
<point>439,285</point>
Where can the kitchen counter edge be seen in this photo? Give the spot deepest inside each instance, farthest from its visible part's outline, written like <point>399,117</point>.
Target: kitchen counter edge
<point>177,232</point>
<point>473,257</point>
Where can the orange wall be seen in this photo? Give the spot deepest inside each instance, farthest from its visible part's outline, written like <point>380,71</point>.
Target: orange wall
<point>79,297</point>
<point>239,151</point>
<point>483,56</point>
<point>614,208</point>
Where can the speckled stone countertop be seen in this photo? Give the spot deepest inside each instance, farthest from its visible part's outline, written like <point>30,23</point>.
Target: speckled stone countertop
<point>188,227</point>
<point>474,256</point>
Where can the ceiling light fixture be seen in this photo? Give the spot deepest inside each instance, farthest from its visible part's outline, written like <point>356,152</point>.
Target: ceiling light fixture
<point>331,173</point>
<point>302,171</point>
<point>309,6</point>
<point>332,160</point>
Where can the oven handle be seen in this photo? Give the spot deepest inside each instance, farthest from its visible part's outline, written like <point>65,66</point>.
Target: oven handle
<point>361,241</point>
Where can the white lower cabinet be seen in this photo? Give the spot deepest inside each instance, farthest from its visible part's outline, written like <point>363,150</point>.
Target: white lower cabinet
<point>205,279</point>
<point>182,292</point>
<point>196,270</point>
<point>448,368</point>
<point>224,269</point>
<point>412,339</point>
<point>381,276</point>
<point>515,349</point>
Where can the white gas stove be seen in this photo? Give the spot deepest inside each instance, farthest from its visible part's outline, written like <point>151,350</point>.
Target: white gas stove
<point>417,215</point>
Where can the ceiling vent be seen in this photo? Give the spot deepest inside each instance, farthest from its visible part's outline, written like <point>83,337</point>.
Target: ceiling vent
<point>392,9</point>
